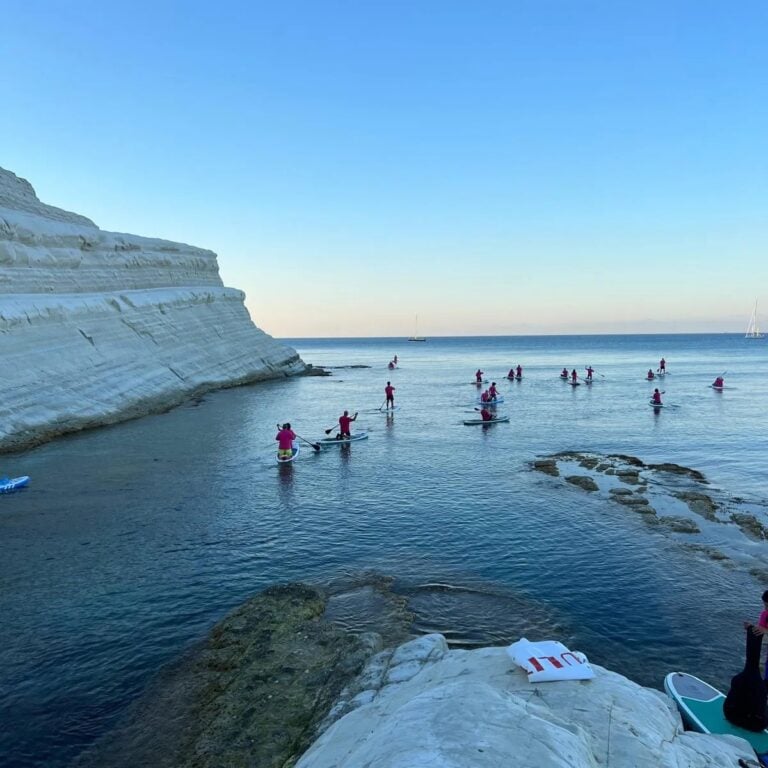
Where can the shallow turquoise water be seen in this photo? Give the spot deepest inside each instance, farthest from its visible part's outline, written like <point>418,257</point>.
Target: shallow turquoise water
<point>133,540</point>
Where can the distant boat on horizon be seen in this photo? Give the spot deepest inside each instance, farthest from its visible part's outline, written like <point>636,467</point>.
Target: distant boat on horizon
<point>753,329</point>
<point>416,336</point>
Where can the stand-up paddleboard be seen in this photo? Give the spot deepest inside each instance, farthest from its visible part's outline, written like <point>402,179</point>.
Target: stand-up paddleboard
<point>496,420</point>
<point>389,410</point>
<point>8,484</point>
<point>574,383</point>
<point>701,707</point>
<point>288,459</point>
<point>719,389</point>
<point>563,377</point>
<point>587,381</point>
<point>499,399</point>
<point>655,405</point>
<point>478,383</point>
<point>344,440</point>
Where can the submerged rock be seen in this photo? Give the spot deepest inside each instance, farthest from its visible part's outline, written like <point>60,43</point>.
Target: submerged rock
<point>750,525</point>
<point>252,695</point>
<point>680,524</point>
<point>699,503</point>
<point>583,481</point>
<point>547,466</point>
<point>679,470</point>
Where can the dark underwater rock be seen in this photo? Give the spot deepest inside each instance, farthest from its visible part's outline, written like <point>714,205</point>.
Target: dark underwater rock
<point>583,481</point>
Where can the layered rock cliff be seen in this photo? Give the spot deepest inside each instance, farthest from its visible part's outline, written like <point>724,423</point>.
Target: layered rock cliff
<point>96,327</point>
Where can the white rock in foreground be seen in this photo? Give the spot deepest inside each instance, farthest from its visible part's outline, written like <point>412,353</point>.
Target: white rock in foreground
<point>427,707</point>
<point>96,327</point>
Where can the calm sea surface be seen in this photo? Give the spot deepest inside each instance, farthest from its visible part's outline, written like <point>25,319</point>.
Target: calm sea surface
<point>133,540</point>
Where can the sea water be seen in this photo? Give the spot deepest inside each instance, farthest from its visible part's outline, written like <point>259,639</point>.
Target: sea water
<point>133,540</point>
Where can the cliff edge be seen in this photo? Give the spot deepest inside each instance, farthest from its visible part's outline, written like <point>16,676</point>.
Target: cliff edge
<point>97,327</point>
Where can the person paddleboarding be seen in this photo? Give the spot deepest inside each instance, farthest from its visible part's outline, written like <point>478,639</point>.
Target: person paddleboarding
<point>574,377</point>
<point>492,391</point>
<point>719,383</point>
<point>478,376</point>
<point>590,371</point>
<point>656,397</point>
<point>650,375</point>
<point>344,423</point>
<point>662,365</point>
<point>285,441</point>
<point>389,392</point>
<point>564,373</point>
<point>519,371</point>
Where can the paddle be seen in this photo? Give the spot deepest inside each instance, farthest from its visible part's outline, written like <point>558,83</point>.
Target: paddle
<point>383,404</point>
<point>316,446</point>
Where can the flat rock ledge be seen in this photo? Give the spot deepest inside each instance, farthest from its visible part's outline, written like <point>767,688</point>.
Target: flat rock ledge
<point>425,706</point>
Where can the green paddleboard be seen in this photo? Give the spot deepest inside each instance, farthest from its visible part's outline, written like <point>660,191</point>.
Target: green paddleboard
<point>701,707</point>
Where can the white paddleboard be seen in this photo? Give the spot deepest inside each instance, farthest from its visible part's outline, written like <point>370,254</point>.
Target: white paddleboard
<point>344,440</point>
<point>292,457</point>
<point>497,420</point>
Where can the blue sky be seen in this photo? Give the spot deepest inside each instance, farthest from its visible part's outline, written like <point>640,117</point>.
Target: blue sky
<point>494,167</point>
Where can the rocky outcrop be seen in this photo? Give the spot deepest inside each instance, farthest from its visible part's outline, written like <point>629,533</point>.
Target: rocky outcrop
<point>424,705</point>
<point>96,327</point>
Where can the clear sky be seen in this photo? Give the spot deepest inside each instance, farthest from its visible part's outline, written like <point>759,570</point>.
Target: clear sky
<point>542,166</point>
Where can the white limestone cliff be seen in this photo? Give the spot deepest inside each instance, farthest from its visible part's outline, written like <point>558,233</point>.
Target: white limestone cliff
<point>97,327</point>
<point>423,705</point>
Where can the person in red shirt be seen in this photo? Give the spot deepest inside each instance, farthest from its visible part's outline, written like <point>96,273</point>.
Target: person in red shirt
<point>344,421</point>
<point>656,397</point>
<point>285,438</point>
<point>519,371</point>
<point>389,391</point>
<point>479,376</point>
<point>486,415</point>
<point>574,376</point>
<point>484,397</point>
<point>662,365</point>
<point>719,382</point>
<point>564,374</point>
<point>650,374</point>
<point>590,371</point>
<point>492,391</point>
<point>511,374</point>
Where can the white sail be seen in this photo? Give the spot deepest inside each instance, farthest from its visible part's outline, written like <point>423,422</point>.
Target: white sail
<point>416,336</point>
<point>753,329</point>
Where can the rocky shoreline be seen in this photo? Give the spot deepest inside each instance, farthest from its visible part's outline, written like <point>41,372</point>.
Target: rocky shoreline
<point>674,499</point>
<point>281,683</point>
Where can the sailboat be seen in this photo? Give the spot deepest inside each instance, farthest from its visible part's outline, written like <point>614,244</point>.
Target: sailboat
<point>753,330</point>
<point>416,336</point>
